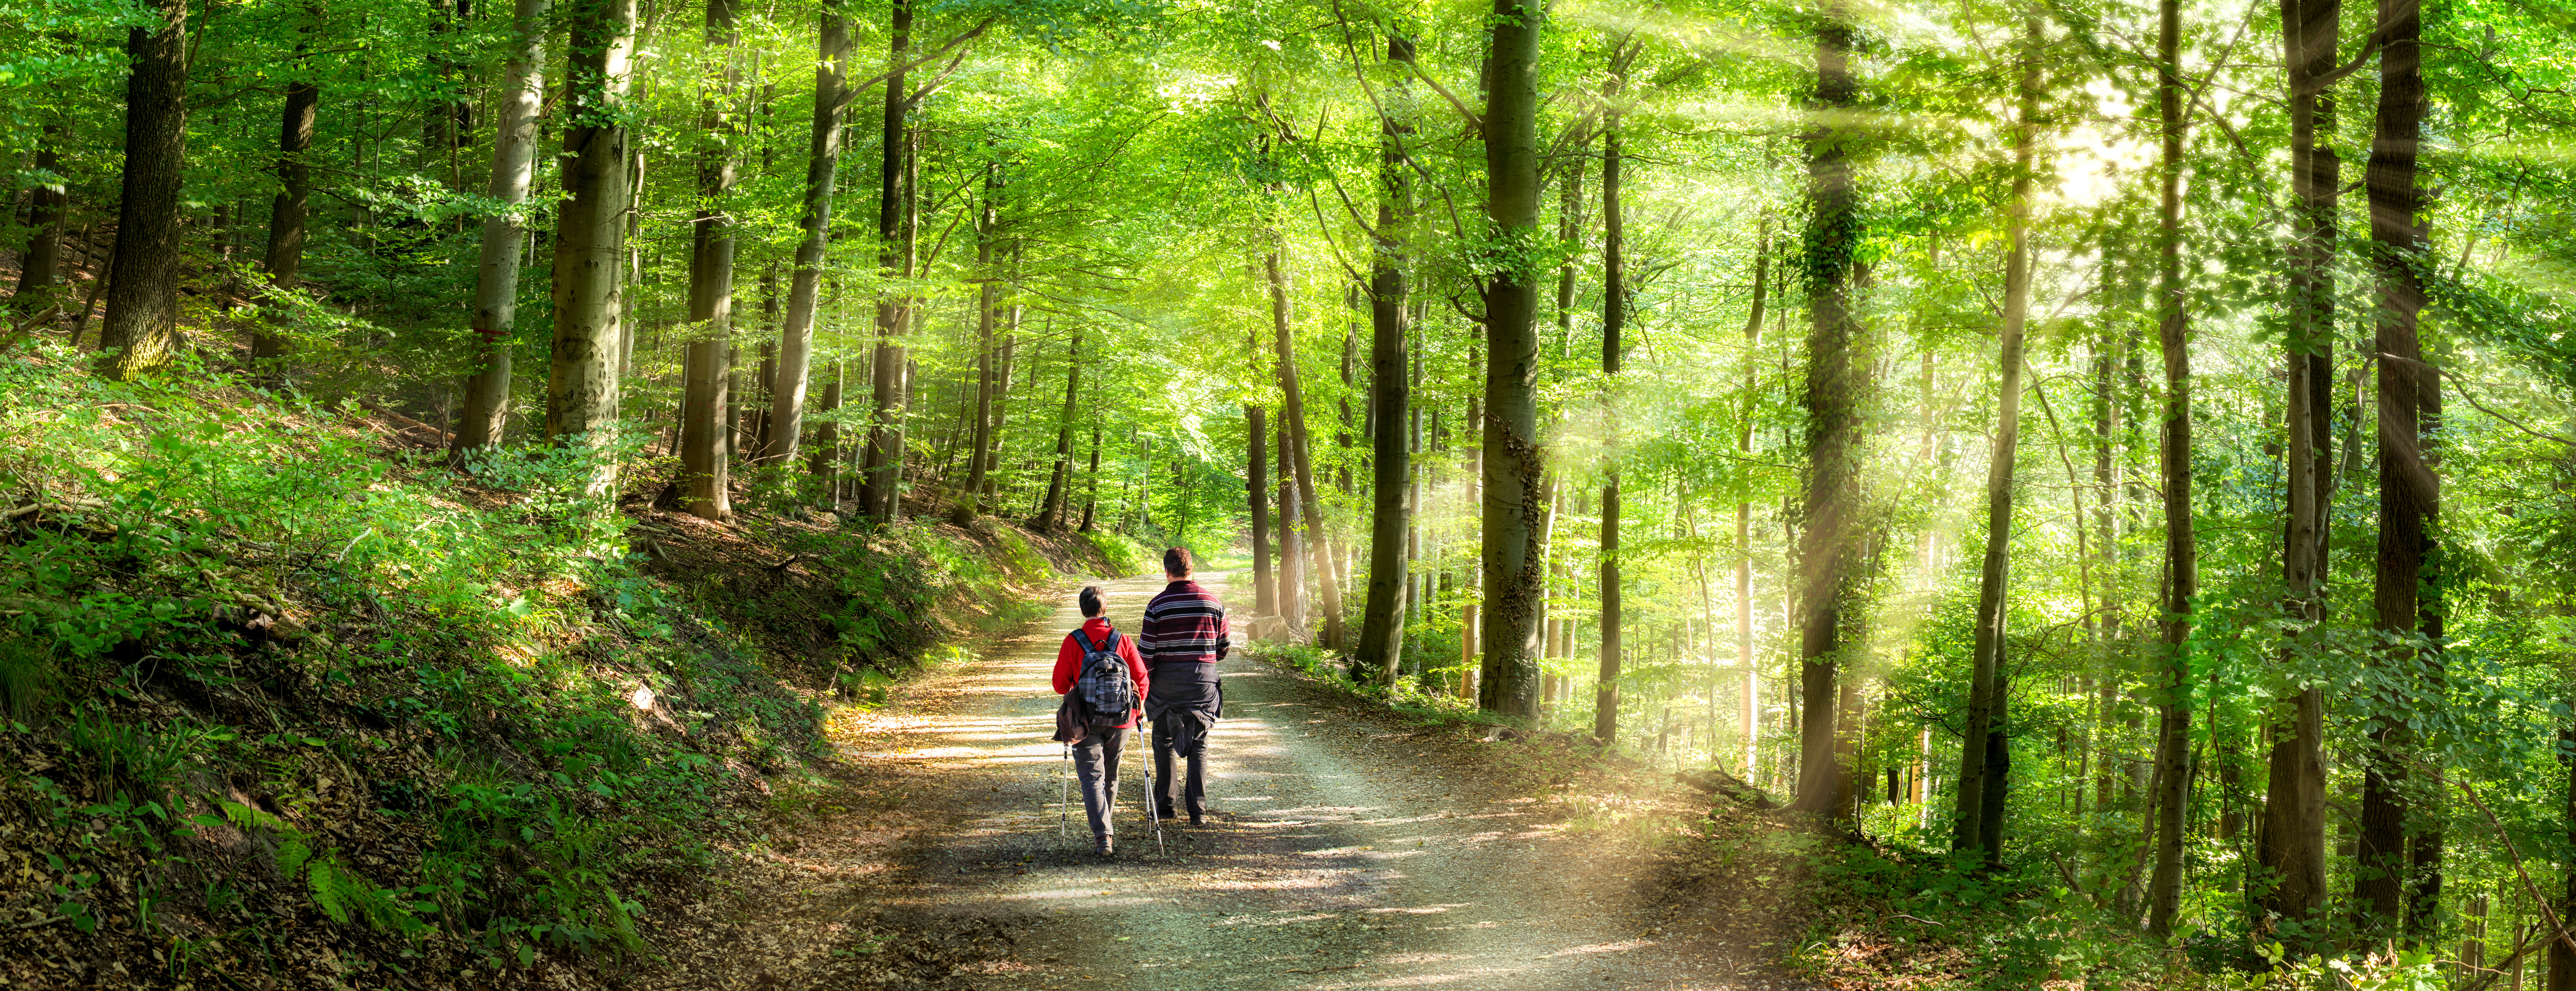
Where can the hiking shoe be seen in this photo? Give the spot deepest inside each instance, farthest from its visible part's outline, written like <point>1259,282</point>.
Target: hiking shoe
<point>1104,846</point>
<point>1165,813</point>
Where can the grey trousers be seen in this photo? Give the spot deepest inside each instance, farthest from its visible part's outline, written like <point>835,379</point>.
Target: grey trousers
<point>1095,768</point>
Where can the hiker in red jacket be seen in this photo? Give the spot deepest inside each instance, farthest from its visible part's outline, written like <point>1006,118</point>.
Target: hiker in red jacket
<point>1095,752</point>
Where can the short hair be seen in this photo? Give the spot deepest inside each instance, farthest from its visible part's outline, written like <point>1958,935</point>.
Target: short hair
<point>1090,599</point>
<point>1176,561</point>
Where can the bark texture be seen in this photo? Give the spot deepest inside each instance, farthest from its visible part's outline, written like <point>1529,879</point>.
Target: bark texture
<point>1972,828</point>
<point>882,487</point>
<point>141,330</point>
<point>2393,884</point>
<point>590,232</point>
<point>2182,556</point>
<point>1830,396</point>
<point>40,269</point>
<point>707,368</point>
<point>2290,843</point>
<point>1381,644</point>
<point>1614,322</point>
<point>1514,465</point>
<point>486,411</point>
<point>787,382</point>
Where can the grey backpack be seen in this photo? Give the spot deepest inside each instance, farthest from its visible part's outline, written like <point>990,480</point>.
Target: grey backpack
<point>1105,685</point>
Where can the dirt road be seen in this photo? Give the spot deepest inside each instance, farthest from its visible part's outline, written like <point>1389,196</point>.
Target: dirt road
<point>1346,852</point>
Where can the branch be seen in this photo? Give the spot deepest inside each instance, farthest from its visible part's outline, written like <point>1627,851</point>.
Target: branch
<point>2537,898</point>
<point>2482,407</point>
<point>851,95</point>
<point>1475,124</point>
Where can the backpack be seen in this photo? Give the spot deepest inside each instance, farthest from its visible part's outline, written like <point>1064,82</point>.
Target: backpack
<point>1105,686</point>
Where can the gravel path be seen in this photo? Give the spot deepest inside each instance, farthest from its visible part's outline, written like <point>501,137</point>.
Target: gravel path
<point>1346,851</point>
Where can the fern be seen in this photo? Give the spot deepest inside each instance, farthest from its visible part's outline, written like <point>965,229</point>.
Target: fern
<point>344,894</point>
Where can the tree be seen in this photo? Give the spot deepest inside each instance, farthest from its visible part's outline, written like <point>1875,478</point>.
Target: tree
<point>1614,321</point>
<point>822,164</point>
<point>1381,644</point>
<point>707,370</point>
<point>978,457</point>
<point>1060,477</point>
<point>1514,466</point>
<point>1830,396</point>
<point>141,334</point>
<point>2389,885</point>
<point>590,228</point>
<point>2291,843</point>
<point>284,259</point>
<point>2182,552</point>
<point>1985,756</point>
<point>40,269</point>
<point>496,275</point>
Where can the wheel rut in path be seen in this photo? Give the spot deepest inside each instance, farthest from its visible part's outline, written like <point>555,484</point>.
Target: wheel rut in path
<point>1346,850</point>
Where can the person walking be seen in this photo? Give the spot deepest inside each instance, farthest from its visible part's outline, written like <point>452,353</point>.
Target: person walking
<point>1183,634</point>
<point>1088,667</point>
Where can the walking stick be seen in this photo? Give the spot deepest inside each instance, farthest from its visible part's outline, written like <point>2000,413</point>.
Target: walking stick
<point>1153,800</point>
<point>1064,794</point>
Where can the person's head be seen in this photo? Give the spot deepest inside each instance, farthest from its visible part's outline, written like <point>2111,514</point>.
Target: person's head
<point>1090,599</point>
<point>1176,563</point>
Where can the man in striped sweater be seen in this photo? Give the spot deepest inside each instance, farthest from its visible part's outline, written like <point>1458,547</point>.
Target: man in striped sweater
<point>1183,635</point>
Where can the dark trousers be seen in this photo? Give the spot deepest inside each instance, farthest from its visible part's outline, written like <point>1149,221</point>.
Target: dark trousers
<point>1183,732</point>
<point>1095,768</point>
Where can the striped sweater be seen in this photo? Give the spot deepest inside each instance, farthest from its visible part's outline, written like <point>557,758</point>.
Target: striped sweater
<point>1185,623</point>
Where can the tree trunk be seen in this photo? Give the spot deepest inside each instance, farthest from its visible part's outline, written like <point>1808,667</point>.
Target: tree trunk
<point>977,456</point>
<point>1091,495</point>
<point>1986,702</point>
<point>1292,565</point>
<point>2290,844</point>
<point>1614,322</point>
<point>825,462</point>
<point>1265,586</point>
<point>141,332</point>
<point>1002,375</point>
<point>1831,397</point>
<point>284,259</point>
<point>1292,421</point>
<point>1381,645</point>
<point>1513,462</point>
<point>884,467</point>
<point>1060,481</point>
<point>590,231</point>
<point>2409,507</point>
<point>40,269</point>
<point>1751,716</point>
<point>707,369</point>
<point>2562,954</point>
<point>2182,560</point>
<point>496,274</point>
<point>787,384</point>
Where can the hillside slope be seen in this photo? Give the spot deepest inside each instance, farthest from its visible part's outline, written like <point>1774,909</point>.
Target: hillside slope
<point>292,705</point>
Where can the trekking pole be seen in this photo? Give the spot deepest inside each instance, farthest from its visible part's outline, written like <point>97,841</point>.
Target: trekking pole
<point>1064,794</point>
<point>1153,799</point>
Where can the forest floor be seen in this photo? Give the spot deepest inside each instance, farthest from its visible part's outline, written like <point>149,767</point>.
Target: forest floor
<point>1349,848</point>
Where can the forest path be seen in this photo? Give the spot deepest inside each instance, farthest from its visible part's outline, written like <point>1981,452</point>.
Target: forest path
<point>1345,851</point>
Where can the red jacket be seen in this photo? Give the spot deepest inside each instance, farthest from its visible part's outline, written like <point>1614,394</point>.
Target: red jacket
<point>1068,661</point>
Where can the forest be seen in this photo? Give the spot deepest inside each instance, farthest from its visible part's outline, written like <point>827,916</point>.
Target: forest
<point>2115,456</point>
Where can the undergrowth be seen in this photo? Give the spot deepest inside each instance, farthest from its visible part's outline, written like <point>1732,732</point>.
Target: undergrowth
<point>279,704</point>
<point>1891,916</point>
